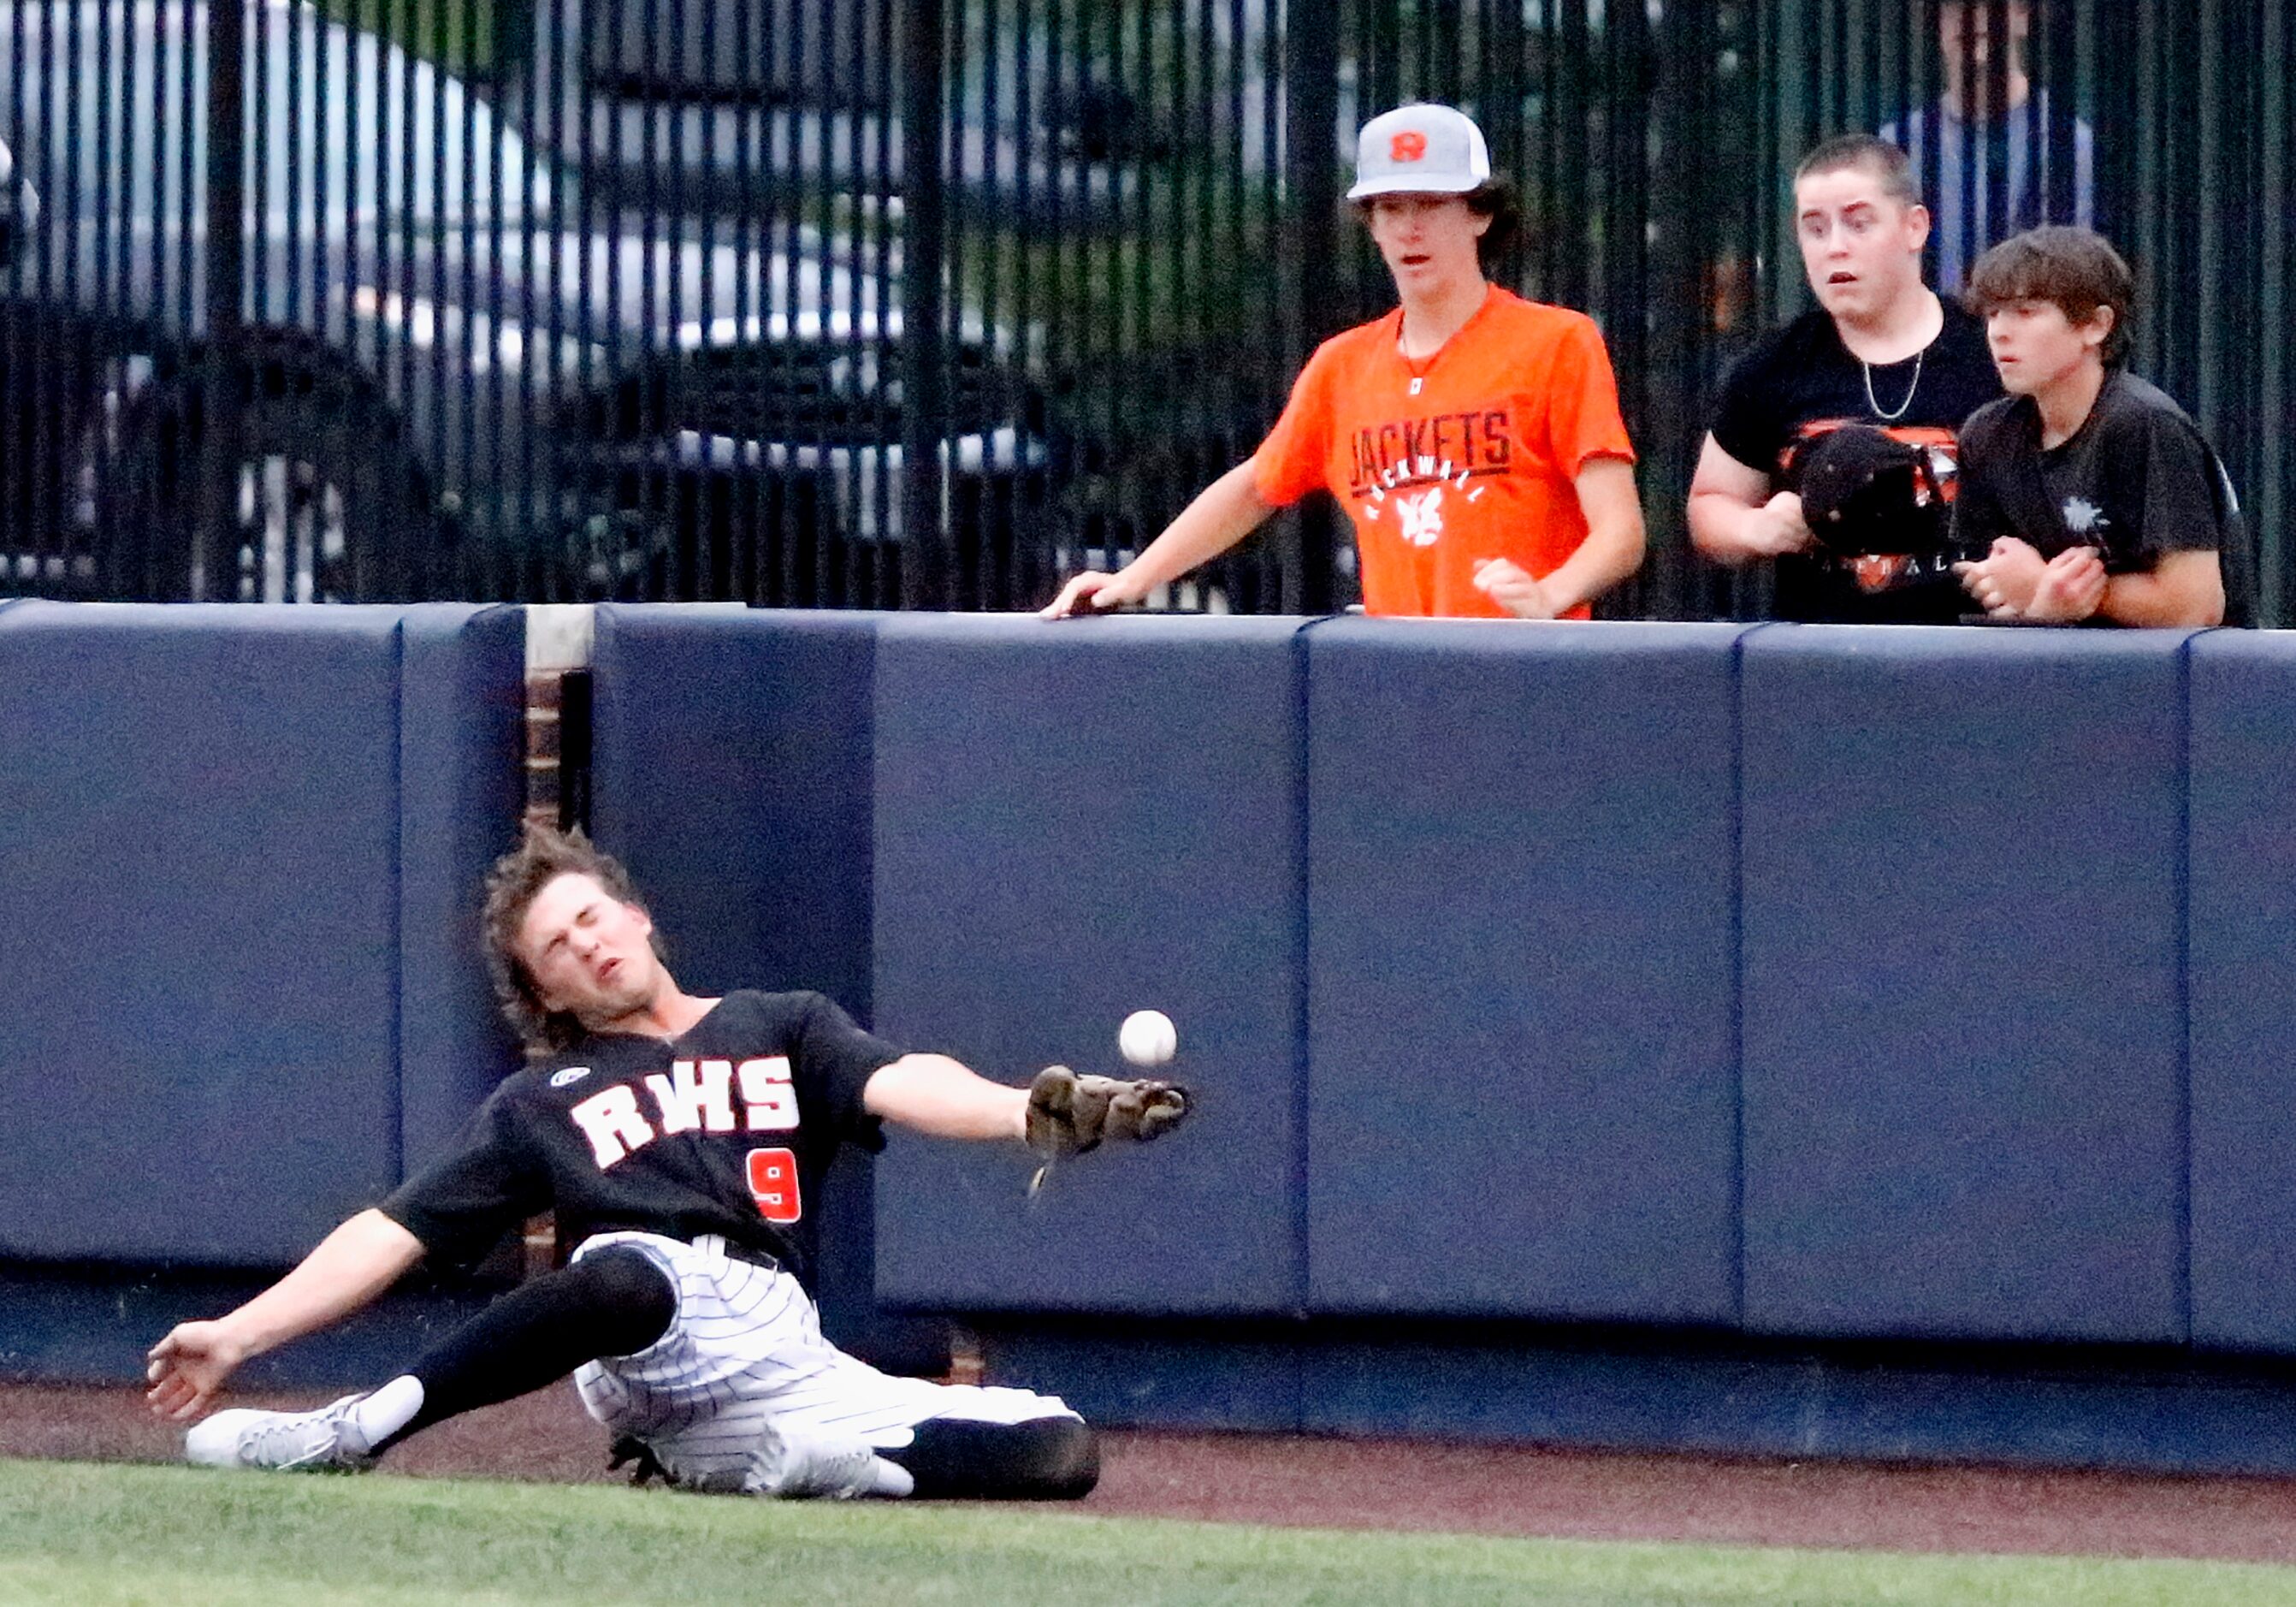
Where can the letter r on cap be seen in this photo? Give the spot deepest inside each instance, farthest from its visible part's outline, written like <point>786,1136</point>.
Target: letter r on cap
<point>1410,146</point>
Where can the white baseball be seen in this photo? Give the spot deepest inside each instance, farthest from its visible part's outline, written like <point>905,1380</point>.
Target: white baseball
<point>1147,1038</point>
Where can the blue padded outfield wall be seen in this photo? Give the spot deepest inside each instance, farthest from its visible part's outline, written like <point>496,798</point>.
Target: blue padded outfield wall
<point>752,837</point>
<point>1069,826</point>
<point>1519,904</point>
<point>1788,1039</point>
<point>2243,989</point>
<point>732,770</point>
<point>238,846</point>
<point>462,786</point>
<point>1963,897</point>
<point>1774,1038</point>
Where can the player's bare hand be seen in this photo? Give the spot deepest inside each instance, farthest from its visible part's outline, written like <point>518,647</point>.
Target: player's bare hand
<point>2004,580</point>
<point>2071,587</point>
<point>188,1367</point>
<point>1514,589</point>
<point>1092,592</point>
<point>1777,527</point>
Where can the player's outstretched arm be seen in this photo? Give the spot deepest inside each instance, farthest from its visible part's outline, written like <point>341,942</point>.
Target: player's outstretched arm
<point>946,1099</point>
<point>1223,514</point>
<point>351,1265</point>
<point>1059,1113</point>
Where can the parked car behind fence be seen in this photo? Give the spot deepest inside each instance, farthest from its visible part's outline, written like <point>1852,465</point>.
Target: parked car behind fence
<point>449,369</point>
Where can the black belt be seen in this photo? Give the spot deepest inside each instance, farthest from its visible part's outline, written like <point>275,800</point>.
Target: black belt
<point>733,1249</point>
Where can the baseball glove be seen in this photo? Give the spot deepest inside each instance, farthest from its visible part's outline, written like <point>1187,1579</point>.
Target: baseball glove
<point>1069,1113</point>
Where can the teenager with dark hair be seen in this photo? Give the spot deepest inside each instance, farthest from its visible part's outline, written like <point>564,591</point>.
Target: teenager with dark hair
<point>1879,365</point>
<point>2091,494</point>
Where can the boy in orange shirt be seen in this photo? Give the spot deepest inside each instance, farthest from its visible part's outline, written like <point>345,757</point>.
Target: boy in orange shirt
<point>1473,437</point>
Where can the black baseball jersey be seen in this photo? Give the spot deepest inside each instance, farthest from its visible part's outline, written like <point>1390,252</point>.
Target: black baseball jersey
<point>726,1129</point>
<point>1801,383</point>
<point>2136,480</point>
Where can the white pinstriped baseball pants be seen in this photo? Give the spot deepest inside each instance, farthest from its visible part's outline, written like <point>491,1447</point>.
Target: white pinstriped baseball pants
<point>746,1346</point>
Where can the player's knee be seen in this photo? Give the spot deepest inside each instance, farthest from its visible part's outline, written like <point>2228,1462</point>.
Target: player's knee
<point>1041,1459</point>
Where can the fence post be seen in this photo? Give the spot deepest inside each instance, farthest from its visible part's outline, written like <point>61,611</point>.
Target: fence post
<point>226,277</point>
<point>1311,92</point>
<point>2270,486</point>
<point>925,408</point>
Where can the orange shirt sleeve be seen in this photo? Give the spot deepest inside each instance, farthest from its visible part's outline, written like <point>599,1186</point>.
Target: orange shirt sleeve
<point>1293,461</point>
<point>1582,410</point>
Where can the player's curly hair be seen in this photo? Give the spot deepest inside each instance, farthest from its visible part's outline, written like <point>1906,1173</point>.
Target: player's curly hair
<point>518,877</point>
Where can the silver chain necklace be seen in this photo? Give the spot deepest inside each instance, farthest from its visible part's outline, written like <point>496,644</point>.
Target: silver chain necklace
<point>1893,417</point>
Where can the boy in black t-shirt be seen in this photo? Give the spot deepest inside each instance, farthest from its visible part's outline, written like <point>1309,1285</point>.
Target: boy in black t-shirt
<point>1880,352</point>
<point>2094,496</point>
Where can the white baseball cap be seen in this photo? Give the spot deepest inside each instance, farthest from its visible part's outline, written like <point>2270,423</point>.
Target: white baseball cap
<point>1423,149</point>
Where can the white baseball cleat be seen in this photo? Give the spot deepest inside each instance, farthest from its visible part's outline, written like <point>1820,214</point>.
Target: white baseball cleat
<point>327,1441</point>
<point>794,1464</point>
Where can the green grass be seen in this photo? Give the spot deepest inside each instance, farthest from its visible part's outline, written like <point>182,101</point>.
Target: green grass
<point>79,1533</point>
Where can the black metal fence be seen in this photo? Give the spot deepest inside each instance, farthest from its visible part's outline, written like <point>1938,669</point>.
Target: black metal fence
<point>851,303</point>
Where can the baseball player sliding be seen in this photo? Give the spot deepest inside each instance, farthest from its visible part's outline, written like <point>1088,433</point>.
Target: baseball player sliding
<point>680,1140</point>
